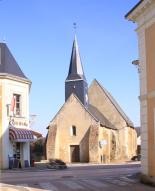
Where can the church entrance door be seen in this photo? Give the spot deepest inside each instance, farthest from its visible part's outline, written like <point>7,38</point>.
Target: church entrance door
<point>75,153</point>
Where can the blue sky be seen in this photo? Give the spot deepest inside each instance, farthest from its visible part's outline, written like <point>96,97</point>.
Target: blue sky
<point>40,33</point>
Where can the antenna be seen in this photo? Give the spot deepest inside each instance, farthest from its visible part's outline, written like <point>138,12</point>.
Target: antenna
<point>32,120</point>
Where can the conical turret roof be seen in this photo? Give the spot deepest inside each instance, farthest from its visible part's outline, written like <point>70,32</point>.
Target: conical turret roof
<point>8,64</point>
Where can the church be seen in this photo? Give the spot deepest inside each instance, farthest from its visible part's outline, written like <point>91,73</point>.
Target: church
<point>90,126</point>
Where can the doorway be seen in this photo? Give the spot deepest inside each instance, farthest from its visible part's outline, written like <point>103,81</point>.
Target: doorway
<point>75,153</point>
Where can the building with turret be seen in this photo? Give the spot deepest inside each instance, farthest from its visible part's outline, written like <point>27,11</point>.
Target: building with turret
<point>90,126</point>
<point>15,134</point>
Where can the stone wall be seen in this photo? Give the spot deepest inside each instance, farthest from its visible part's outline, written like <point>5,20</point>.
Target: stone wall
<point>51,142</point>
<point>94,144</point>
<point>100,100</point>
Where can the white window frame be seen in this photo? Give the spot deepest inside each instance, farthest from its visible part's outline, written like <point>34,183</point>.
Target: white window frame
<point>20,111</point>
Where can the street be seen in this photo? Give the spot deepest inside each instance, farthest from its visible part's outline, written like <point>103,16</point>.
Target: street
<point>76,177</point>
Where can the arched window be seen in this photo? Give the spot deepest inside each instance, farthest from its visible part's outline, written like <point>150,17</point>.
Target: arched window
<point>73,130</point>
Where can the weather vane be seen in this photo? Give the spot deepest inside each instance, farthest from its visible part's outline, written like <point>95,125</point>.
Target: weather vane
<point>75,26</point>
<point>4,39</point>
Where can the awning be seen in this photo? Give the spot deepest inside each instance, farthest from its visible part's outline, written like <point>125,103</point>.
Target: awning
<point>20,135</point>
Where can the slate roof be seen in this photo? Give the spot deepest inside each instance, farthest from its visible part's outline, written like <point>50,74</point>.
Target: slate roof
<point>98,115</point>
<point>116,105</point>
<point>8,64</point>
<point>75,68</point>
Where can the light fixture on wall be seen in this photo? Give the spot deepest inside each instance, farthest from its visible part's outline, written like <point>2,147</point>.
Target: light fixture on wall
<point>136,63</point>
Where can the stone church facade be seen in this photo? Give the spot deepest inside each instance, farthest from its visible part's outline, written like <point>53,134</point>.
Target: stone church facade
<point>90,126</point>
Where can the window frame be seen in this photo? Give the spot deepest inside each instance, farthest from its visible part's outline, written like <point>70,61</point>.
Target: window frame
<point>17,110</point>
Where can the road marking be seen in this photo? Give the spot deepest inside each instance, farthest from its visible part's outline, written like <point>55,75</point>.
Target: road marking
<point>25,186</point>
<point>48,186</point>
<point>72,185</point>
<point>119,182</point>
<point>96,183</point>
<point>22,185</point>
<point>128,179</point>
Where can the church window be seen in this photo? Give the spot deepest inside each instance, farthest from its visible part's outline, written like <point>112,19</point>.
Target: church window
<point>73,130</point>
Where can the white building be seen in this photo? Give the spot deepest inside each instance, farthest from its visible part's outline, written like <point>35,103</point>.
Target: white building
<point>15,134</point>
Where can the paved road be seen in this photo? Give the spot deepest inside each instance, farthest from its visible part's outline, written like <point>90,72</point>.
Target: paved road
<point>75,178</point>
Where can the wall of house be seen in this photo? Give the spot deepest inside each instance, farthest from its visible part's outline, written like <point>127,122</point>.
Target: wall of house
<point>145,18</point>
<point>9,87</point>
<point>1,134</point>
<point>150,70</point>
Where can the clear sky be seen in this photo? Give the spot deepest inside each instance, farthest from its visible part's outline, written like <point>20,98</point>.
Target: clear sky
<point>40,34</point>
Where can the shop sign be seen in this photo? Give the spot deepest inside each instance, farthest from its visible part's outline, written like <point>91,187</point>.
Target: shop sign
<point>15,122</point>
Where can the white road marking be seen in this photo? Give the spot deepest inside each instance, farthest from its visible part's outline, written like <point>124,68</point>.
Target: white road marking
<point>22,185</point>
<point>96,183</point>
<point>26,186</point>
<point>120,183</point>
<point>72,185</point>
<point>128,179</point>
<point>48,186</point>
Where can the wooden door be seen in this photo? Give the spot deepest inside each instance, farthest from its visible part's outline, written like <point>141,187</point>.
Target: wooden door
<point>75,153</point>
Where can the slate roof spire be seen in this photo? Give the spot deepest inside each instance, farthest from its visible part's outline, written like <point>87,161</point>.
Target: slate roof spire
<point>75,68</point>
<point>8,64</point>
<point>76,82</point>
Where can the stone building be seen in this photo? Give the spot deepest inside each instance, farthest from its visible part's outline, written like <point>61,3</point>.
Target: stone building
<point>90,126</point>
<point>15,134</point>
<point>143,13</point>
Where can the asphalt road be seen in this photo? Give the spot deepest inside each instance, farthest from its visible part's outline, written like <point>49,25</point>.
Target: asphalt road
<point>75,178</point>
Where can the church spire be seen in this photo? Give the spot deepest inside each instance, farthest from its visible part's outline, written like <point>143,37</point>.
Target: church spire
<point>76,82</point>
<point>75,68</point>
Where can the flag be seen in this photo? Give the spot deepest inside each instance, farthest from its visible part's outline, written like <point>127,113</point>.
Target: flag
<point>13,101</point>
